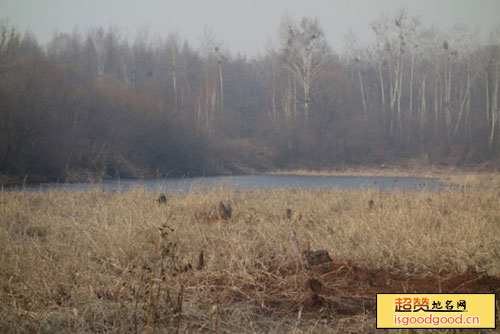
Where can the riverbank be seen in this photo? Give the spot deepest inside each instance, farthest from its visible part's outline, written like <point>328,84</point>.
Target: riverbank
<point>478,175</point>
<point>485,175</point>
<point>126,262</point>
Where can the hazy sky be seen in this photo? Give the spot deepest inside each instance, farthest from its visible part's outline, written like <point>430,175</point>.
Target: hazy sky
<point>244,26</point>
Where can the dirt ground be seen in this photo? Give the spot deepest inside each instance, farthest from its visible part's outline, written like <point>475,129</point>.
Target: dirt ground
<point>344,289</point>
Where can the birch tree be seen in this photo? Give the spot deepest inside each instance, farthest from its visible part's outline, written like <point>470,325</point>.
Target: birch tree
<point>492,87</point>
<point>306,51</point>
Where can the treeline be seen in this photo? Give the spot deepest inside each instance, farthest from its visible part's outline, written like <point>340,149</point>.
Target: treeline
<point>95,104</point>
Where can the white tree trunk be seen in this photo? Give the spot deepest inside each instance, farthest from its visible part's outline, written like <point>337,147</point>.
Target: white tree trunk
<point>362,92</point>
<point>494,106</point>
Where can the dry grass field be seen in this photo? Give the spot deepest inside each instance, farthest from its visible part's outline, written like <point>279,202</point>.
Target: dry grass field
<point>95,262</point>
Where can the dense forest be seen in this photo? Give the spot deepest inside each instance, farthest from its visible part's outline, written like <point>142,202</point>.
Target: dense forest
<point>98,104</point>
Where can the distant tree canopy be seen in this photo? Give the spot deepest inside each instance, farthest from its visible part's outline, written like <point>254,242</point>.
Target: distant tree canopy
<point>97,105</point>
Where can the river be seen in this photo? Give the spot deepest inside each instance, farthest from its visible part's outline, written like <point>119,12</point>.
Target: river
<point>255,182</point>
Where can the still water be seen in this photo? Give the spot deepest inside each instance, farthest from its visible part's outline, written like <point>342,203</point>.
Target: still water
<point>257,182</point>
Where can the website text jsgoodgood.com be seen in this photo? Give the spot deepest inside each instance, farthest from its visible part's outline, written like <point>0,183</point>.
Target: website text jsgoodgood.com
<point>435,320</point>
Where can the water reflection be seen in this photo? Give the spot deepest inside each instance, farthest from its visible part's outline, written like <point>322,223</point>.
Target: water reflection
<point>257,182</point>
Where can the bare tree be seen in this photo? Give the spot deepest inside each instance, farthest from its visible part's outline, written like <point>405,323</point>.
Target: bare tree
<point>306,52</point>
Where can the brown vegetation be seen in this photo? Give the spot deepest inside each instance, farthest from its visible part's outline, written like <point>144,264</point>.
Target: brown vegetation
<point>225,211</point>
<point>162,199</point>
<point>100,262</point>
<point>489,180</point>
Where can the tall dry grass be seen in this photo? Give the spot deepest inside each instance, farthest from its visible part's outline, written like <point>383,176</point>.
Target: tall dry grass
<point>100,262</point>
<point>484,179</point>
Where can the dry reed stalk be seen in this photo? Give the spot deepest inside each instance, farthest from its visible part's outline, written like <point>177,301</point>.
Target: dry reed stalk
<point>74,261</point>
